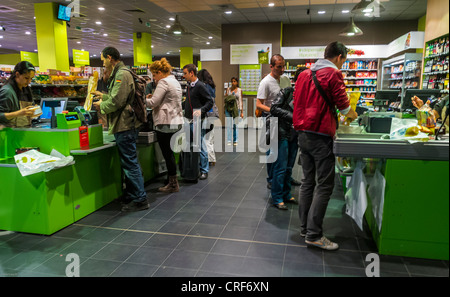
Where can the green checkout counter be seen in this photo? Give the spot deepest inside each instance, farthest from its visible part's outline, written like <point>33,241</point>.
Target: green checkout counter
<point>415,220</point>
<point>47,202</point>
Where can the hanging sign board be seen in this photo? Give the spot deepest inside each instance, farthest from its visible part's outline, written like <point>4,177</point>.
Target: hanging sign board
<point>80,58</point>
<point>33,58</point>
<point>317,52</point>
<point>411,40</point>
<point>244,54</point>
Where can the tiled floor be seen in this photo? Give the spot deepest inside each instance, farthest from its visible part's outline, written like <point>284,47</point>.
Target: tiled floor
<point>223,226</point>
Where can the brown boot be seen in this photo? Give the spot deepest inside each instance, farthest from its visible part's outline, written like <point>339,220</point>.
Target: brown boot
<point>172,186</point>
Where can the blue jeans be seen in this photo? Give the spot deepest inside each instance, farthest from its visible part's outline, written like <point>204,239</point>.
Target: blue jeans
<point>282,170</point>
<point>126,145</point>
<point>203,163</point>
<point>228,121</point>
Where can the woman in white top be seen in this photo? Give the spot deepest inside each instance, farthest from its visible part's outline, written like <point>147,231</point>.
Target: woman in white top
<point>167,116</point>
<point>234,90</point>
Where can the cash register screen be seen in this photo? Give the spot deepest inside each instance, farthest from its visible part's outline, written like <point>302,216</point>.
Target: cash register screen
<point>47,110</point>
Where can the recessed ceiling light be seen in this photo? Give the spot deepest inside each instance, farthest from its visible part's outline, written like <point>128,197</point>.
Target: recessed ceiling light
<point>1,36</point>
<point>82,49</point>
<point>98,23</point>
<point>208,42</point>
<point>101,8</point>
<point>153,46</point>
<point>171,19</point>
<point>105,34</point>
<point>346,11</point>
<point>271,4</point>
<point>367,14</point>
<point>28,33</point>
<point>168,26</point>
<point>79,42</point>
<point>321,12</point>
<point>368,10</point>
<point>210,37</point>
<point>35,50</point>
<point>228,12</point>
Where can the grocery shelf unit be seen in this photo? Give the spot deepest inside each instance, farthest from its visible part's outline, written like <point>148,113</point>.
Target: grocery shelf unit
<point>402,73</point>
<point>178,73</point>
<point>361,75</point>
<point>436,65</point>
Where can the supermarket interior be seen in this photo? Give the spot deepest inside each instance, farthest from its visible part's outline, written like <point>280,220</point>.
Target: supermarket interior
<point>65,176</point>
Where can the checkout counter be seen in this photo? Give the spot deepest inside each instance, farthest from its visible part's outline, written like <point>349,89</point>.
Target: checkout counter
<point>415,219</point>
<point>46,202</point>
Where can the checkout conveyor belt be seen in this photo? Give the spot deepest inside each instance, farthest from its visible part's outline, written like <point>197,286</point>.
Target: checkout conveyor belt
<point>346,146</point>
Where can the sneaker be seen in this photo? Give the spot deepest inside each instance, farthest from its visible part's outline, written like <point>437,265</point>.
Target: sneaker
<point>135,206</point>
<point>303,234</point>
<point>323,243</point>
<point>235,143</point>
<point>229,143</point>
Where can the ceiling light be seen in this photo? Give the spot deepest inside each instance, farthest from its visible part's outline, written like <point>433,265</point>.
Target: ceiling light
<point>210,37</point>
<point>367,14</point>
<point>1,36</point>
<point>35,50</point>
<point>79,42</point>
<point>153,46</point>
<point>98,23</point>
<point>101,8</point>
<point>208,43</point>
<point>366,5</point>
<point>228,12</point>
<point>321,12</point>
<point>351,29</point>
<point>177,28</point>
<point>271,4</point>
<point>171,19</point>
<point>168,26</point>
<point>105,34</point>
<point>2,28</point>
<point>346,11</point>
<point>28,33</point>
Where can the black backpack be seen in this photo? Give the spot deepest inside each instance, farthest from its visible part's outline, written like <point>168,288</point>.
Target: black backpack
<point>138,104</point>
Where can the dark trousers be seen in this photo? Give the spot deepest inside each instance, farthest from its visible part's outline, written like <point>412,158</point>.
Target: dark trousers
<point>126,145</point>
<point>318,161</point>
<point>169,157</point>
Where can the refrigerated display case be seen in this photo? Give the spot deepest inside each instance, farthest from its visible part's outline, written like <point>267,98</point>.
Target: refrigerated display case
<point>402,73</point>
<point>436,70</point>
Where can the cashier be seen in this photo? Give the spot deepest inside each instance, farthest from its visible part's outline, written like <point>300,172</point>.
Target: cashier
<point>439,110</point>
<point>15,97</point>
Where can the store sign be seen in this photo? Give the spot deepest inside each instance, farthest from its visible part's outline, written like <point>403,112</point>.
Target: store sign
<point>33,58</point>
<point>211,55</point>
<point>317,52</point>
<point>244,54</point>
<point>80,58</point>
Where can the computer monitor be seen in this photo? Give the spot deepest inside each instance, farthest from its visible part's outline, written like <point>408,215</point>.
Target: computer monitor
<point>391,95</point>
<point>424,95</point>
<point>47,110</point>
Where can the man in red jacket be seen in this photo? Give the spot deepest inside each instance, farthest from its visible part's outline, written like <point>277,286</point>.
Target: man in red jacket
<point>316,125</point>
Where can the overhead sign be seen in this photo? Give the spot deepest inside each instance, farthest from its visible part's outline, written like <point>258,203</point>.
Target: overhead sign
<point>80,58</point>
<point>244,54</point>
<point>33,58</point>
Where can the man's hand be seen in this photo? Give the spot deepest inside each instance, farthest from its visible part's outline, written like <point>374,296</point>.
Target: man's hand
<point>417,102</point>
<point>97,94</point>
<point>197,113</point>
<point>96,104</point>
<point>351,115</point>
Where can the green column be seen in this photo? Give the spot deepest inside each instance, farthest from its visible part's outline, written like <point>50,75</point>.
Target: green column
<point>51,35</point>
<point>186,56</point>
<point>142,48</point>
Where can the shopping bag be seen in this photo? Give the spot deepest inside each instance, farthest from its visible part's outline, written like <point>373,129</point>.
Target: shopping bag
<point>355,197</point>
<point>376,194</point>
<point>32,162</point>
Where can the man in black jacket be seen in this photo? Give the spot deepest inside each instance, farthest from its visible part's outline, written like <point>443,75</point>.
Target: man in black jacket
<point>198,102</point>
<point>282,108</point>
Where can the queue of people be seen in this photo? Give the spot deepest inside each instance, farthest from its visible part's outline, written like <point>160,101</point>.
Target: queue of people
<point>306,113</point>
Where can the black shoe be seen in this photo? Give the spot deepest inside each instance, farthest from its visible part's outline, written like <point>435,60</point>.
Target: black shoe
<point>295,182</point>
<point>203,176</point>
<point>292,201</point>
<point>281,207</point>
<point>135,206</point>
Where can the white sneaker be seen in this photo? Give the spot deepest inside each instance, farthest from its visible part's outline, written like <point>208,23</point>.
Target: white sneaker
<point>323,243</point>
<point>229,143</point>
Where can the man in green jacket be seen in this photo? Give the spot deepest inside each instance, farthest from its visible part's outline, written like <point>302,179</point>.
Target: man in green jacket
<point>124,125</point>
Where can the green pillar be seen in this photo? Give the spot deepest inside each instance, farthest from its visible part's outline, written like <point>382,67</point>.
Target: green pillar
<point>142,48</point>
<point>51,35</point>
<point>186,56</point>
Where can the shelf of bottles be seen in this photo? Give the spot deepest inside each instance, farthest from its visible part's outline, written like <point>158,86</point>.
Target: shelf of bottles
<point>436,68</point>
<point>402,73</point>
<point>361,75</point>
<point>141,70</point>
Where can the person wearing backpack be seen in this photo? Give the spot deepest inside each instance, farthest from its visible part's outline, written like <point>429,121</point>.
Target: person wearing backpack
<point>123,124</point>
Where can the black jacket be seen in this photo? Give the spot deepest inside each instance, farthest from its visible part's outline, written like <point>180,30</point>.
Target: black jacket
<point>282,108</point>
<point>197,97</point>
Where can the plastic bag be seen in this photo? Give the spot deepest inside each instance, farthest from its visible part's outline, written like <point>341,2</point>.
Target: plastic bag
<point>32,162</point>
<point>376,194</point>
<point>355,197</point>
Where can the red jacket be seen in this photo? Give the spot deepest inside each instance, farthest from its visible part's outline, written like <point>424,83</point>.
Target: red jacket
<point>311,112</point>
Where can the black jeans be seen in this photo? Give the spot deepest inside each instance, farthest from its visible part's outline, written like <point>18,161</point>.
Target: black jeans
<point>164,144</point>
<point>318,160</point>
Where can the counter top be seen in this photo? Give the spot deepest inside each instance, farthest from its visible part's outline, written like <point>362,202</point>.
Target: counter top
<point>371,146</point>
